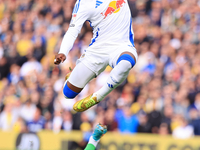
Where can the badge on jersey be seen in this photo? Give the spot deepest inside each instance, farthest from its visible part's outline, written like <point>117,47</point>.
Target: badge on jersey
<point>113,7</point>
<point>73,20</point>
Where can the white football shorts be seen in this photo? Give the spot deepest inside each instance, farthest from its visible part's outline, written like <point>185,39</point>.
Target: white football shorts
<point>98,58</point>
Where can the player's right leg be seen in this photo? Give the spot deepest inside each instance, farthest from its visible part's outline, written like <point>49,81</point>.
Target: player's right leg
<point>78,78</point>
<point>99,131</point>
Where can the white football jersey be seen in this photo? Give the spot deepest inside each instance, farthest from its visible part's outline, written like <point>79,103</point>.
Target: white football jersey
<point>110,19</point>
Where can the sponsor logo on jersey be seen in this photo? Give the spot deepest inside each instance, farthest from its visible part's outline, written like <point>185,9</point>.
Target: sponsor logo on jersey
<point>113,7</point>
<point>83,55</point>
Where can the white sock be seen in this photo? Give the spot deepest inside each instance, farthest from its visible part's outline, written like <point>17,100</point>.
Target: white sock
<point>93,142</point>
<point>117,76</point>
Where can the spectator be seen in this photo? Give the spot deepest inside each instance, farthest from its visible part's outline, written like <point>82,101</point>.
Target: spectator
<point>167,116</point>
<point>127,123</point>
<point>8,117</point>
<point>139,106</point>
<point>155,120</point>
<point>38,122</point>
<point>67,122</point>
<point>144,125</point>
<point>110,121</point>
<point>28,111</point>
<point>30,67</point>
<point>163,130</point>
<point>195,121</point>
<point>184,131</point>
<point>57,121</point>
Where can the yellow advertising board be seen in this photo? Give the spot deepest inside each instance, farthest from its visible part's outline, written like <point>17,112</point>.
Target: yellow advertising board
<point>111,141</point>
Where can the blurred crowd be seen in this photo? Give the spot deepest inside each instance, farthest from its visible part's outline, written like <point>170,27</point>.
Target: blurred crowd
<point>161,94</point>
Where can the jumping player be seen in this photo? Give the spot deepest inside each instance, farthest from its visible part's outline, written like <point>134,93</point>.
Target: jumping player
<point>112,44</point>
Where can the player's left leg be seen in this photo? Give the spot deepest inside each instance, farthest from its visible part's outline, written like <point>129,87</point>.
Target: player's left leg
<point>119,73</point>
<point>99,131</point>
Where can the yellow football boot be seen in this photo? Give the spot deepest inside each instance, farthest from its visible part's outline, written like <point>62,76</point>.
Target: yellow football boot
<point>85,103</point>
<point>67,76</point>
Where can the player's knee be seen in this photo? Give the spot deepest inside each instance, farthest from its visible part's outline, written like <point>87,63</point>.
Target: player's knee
<point>128,58</point>
<point>68,93</point>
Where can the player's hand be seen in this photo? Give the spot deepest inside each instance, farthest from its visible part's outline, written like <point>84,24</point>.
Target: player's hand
<point>59,58</point>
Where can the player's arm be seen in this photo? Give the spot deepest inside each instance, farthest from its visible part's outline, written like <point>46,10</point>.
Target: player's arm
<point>81,13</point>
